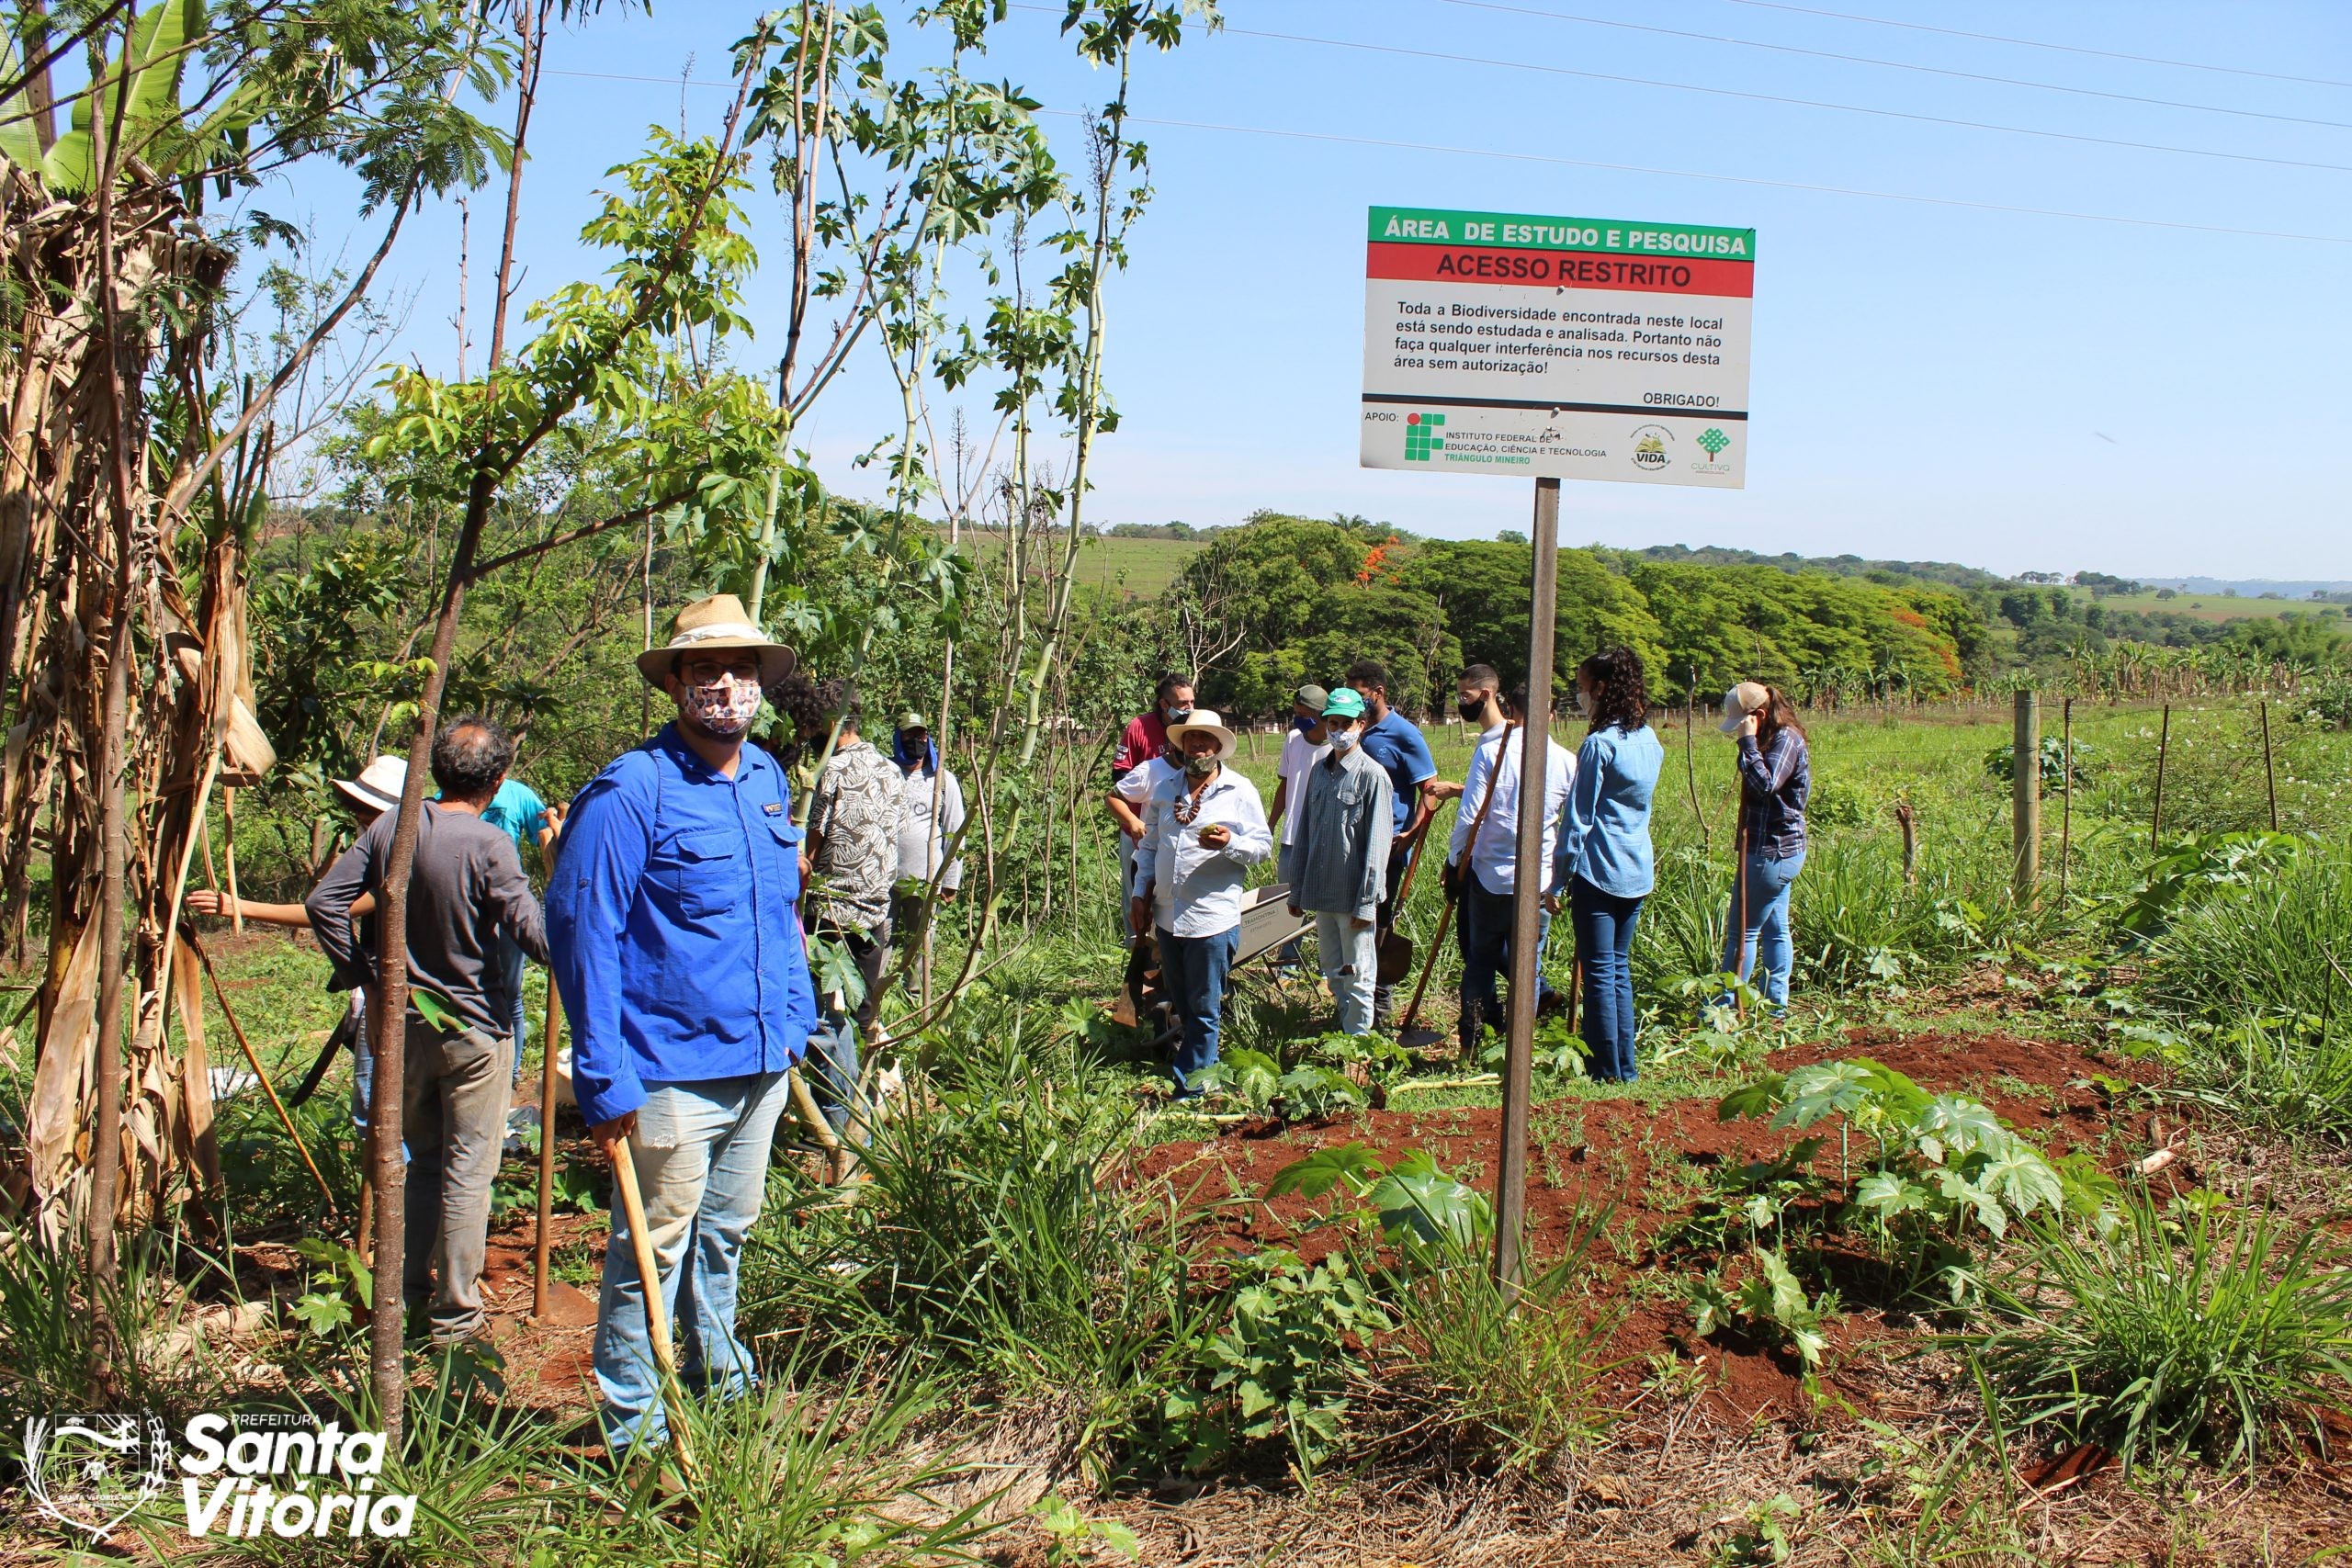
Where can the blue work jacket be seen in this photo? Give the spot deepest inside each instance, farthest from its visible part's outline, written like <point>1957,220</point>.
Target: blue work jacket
<point>671,924</point>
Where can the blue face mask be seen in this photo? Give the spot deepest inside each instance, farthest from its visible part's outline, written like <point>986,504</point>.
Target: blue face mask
<point>1301,722</point>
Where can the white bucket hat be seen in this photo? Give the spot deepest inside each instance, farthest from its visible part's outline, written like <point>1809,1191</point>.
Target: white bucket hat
<point>719,622</point>
<point>1209,722</point>
<point>378,785</point>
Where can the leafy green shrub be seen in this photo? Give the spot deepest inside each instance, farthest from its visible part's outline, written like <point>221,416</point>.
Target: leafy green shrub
<point>1837,803</point>
<point>2201,867</point>
<point>1769,1300</point>
<point>1413,1204</point>
<point>1311,1091</point>
<point>1943,1168</point>
<point>2172,1331</point>
<point>2001,761</point>
<point>1277,1367</point>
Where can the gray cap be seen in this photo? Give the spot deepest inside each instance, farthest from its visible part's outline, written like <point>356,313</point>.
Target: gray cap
<point>1313,697</point>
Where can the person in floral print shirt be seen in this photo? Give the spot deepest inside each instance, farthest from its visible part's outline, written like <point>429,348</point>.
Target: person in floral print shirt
<point>853,864</point>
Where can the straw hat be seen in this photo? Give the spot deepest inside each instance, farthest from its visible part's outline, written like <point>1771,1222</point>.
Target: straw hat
<point>1742,700</point>
<point>378,785</point>
<point>1209,722</point>
<point>717,624</point>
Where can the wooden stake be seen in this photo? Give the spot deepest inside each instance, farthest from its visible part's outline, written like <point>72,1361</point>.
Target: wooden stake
<point>547,1150</point>
<point>2156,817</point>
<point>1907,816</point>
<point>657,1314</point>
<point>2270,775</point>
<point>229,855</point>
<point>2065,792</point>
<point>2025,798</point>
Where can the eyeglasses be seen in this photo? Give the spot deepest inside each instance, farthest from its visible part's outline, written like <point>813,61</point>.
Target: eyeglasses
<point>705,672</point>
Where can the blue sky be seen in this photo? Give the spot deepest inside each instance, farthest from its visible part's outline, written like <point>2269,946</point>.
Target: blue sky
<point>2007,388</point>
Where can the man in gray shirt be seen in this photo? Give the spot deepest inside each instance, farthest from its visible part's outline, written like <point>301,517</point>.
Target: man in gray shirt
<point>1341,857</point>
<point>466,894</point>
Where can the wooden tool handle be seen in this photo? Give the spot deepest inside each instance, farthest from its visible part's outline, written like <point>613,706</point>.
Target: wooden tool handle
<point>657,1316</point>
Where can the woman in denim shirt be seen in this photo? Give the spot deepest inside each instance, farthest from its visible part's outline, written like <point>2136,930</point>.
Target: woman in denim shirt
<point>1604,867</point>
<point>1775,779</point>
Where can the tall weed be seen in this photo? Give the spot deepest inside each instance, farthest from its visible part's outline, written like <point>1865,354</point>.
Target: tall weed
<point>2173,1331</point>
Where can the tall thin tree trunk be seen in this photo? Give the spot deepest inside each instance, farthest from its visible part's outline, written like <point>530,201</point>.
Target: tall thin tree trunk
<point>106,1131</point>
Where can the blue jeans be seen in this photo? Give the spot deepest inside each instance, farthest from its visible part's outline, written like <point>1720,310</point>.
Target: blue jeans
<point>701,1153</point>
<point>522,1029</point>
<point>1484,924</point>
<point>831,1064</point>
<point>1194,968</point>
<point>1604,926</point>
<point>1764,951</point>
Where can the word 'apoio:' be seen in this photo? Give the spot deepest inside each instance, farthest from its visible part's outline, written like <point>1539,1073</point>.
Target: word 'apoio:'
<point>243,1503</point>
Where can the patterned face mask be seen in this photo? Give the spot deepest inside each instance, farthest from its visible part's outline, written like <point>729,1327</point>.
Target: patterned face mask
<point>725,706</point>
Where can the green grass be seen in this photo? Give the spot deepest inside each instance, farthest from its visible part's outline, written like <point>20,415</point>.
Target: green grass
<point>1132,569</point>
<point>2213,606</point>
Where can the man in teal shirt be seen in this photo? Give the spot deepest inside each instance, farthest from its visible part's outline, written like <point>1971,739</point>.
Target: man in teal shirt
<point>518,812</point>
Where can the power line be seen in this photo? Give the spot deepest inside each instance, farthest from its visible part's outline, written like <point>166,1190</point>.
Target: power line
<point>1800,103</point>
<point>1914,198</point>
<point>2037,43</point>
<point>1899,64</point>
<point>1726,179</point>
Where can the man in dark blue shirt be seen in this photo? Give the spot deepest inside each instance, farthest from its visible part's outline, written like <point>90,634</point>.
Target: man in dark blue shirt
<point>1396,743</point>
<point>684,972</point>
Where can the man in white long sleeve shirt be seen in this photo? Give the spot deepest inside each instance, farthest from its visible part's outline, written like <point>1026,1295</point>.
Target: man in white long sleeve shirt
<point>1484,857</point>
<point>1204,829</point>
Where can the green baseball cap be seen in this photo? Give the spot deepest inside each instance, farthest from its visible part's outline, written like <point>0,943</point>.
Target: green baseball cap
<point>912,720</point>
<point>1345,702</point>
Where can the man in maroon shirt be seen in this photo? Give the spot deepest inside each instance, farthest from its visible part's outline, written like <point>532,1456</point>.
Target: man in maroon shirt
<point>1145,738</point>
<point>1146,734</point>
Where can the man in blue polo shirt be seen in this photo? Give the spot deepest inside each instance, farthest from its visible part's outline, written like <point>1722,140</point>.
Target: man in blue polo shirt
<point>683,970</point>
<point>1396,743</point>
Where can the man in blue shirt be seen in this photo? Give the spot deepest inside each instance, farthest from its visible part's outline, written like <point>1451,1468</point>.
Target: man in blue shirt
<point>684,969</point>
<point>1396,743</point>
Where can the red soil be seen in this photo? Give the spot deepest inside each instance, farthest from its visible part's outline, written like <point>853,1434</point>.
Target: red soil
<point>1591,1159</point>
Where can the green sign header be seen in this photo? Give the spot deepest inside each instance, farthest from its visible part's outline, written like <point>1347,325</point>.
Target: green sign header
<point>1523,231</point>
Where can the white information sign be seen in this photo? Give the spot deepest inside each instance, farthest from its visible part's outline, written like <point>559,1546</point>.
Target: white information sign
<point>1575,347</point>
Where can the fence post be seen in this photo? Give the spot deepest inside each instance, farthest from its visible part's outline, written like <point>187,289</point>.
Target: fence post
<point>2025,795</point>
<point>2156,817</point>
<point>2269,776</point>
<point>2065,792</point>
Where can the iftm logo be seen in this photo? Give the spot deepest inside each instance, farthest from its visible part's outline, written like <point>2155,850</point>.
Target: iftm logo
<point>283,1474</point>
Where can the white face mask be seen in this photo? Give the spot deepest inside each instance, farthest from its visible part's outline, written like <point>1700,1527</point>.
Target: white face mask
<point>725,707</point>
<point>1343,740</point>
<point>1584,702</point>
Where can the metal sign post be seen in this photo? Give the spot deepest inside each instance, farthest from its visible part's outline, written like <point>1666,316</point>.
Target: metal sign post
<point>1533,876</point>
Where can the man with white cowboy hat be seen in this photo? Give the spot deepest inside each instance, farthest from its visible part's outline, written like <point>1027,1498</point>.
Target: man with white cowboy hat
<point>1204,828</point>
<point>376,791</point>
<point>679,953</point>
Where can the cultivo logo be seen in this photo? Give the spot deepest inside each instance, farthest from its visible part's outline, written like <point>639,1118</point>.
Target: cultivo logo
<point>1650,455</point>
<point>1421,436</point>
<point>279,1474</point>
<point>91,1472</point>
<point>1715,441</point>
